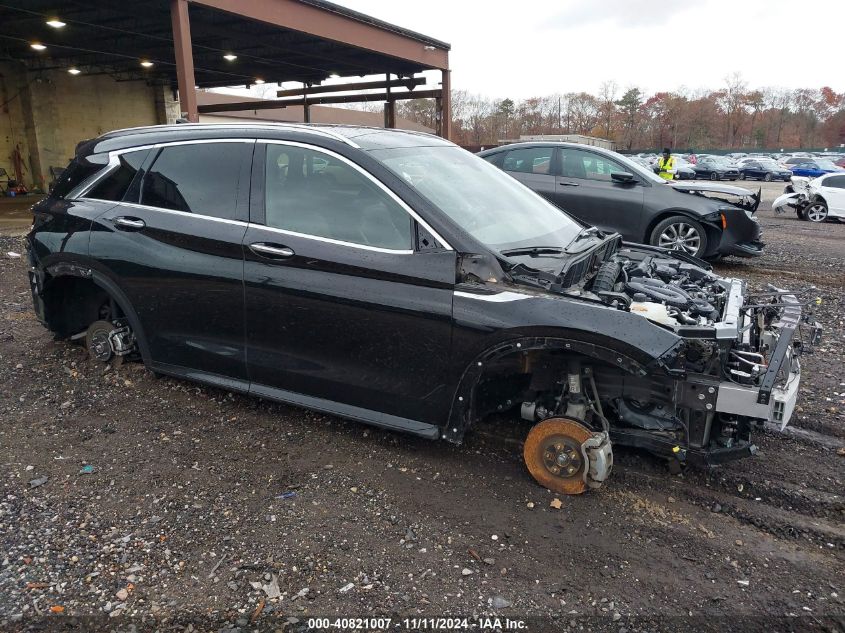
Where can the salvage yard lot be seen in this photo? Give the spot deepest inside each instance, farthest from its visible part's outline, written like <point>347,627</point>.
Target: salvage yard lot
<point>186,507</point>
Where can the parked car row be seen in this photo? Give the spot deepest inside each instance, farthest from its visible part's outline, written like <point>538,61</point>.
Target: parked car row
<point>766,167</point>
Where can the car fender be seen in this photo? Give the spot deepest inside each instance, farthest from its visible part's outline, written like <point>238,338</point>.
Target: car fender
<point>489,326</point>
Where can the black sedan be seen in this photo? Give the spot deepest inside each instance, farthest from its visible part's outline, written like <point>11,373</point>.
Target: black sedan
<point>763,169</point>
<point>716,168</point>
<point>606,190</point>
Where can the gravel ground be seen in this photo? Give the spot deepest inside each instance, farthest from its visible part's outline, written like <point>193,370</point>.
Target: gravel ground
<point>128,499</point>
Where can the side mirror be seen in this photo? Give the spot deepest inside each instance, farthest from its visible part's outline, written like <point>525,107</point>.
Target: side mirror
<point>622,176</point>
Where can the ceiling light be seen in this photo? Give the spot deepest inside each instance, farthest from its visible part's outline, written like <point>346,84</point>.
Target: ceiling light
<point>229,57</point>
<point>259,80</point>
<point>146,63</point>
<point>37,46</point>
<point>74,71</point>
<point>55,23</point>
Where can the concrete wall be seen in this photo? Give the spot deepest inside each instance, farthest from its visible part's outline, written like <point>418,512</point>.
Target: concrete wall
<point>47,113</point>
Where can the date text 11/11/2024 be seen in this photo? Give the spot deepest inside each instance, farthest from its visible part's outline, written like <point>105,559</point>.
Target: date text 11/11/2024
<point>417,624</point>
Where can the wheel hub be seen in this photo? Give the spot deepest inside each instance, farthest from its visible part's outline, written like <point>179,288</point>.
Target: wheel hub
<point>100,347</point>
<point>680,237</point>
<point>562,456</point>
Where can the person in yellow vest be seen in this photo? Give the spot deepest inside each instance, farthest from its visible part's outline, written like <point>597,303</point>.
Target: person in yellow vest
<point>666,165</point>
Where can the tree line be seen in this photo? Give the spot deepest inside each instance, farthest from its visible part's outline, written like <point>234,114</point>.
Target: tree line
<point>733,117</point>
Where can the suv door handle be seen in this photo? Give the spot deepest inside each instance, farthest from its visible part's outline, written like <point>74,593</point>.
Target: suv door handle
<point>272,251</point>
<point>129,224</point>
<point>568,184</point>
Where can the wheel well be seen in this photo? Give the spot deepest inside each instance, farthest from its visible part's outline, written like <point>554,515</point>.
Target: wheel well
<point>518,370</point>
<point>71,304</point>
<point>712,240</point>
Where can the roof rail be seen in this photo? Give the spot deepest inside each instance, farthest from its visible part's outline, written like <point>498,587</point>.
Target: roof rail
<point>216,126</point>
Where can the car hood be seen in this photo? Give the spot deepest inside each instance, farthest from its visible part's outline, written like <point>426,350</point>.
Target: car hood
<point>726,193</point>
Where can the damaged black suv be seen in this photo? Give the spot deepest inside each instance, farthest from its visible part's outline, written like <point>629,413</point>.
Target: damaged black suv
<point>396,279</point>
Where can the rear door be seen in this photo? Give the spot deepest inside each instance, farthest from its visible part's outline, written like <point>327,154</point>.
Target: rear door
<point>173,244</point>
<point>532,166</point>
<point>585,189</point>
<point>348,296</point>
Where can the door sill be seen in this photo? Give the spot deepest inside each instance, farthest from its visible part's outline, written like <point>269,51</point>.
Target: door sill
<point>359,414</point>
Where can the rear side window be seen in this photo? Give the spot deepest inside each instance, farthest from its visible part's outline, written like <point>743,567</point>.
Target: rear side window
<point>837,182</point>
<point>200,178</point>
<point>116,184</point>
<point>534,160</point>
<point>79,170</point>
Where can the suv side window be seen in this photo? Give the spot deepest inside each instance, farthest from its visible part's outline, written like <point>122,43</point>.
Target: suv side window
<point>116,184</point>
<point>532,160</point>
<point>200,178</point>
<point>577,163</point>
<point>316,194</point>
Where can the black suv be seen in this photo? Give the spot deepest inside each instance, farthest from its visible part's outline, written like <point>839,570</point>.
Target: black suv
<point>396,279</point>
<point>612,192</point>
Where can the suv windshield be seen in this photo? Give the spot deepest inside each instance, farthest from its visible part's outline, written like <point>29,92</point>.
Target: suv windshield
<point>488,204</point>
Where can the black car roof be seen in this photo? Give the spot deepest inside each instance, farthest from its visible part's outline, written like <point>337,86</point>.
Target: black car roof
<point>351,135</point>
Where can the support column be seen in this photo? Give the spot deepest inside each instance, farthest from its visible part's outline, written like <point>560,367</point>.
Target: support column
<point>389,107</point>
<point>184,59</point>
<point>446,104</point>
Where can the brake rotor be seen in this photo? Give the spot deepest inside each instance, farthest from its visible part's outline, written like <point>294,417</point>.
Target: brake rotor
<point>552,453</point>
<point>97,340</point>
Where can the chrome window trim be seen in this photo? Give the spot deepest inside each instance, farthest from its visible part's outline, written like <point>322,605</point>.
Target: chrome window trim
<point>328,240</point>
<point>378,183</point>
<point>187,214</point>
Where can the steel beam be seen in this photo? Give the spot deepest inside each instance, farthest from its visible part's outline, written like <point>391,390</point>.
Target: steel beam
<point>184,59</point>
<point>335,26</point>
<point>360,85</point>
<point>283,103</point>
<point>446,104</point>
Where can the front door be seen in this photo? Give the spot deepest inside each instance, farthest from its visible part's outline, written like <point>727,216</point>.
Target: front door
<point>532,166</point>
<point>585,189</point>
<point>342,304</point>
<point>173,243</point>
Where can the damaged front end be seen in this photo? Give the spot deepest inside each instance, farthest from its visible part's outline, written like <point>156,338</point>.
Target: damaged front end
<point>735,363</point>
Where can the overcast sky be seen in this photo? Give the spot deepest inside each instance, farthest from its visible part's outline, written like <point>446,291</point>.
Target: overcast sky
<point>527,48</point>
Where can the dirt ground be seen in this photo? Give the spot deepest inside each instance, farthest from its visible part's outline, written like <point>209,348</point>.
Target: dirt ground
<point>201,502</point>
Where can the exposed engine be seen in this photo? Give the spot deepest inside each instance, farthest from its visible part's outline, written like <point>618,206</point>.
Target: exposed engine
<point>665,291</point>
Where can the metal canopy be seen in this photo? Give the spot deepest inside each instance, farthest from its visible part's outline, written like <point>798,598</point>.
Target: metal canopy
<point>114,36</point>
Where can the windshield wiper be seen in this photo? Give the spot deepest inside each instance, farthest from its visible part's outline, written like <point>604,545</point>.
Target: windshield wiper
<point>533,251</point>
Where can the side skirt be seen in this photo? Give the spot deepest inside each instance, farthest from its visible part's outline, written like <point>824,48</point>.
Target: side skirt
<point>359,414</point>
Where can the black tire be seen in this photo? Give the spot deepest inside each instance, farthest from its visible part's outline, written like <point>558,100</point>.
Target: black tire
<point>742,175</point>
<point>606,277</point>
<point>767,178</point>
<point>714,176</point>
<point>663,232</point>
<point>816,211</point>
